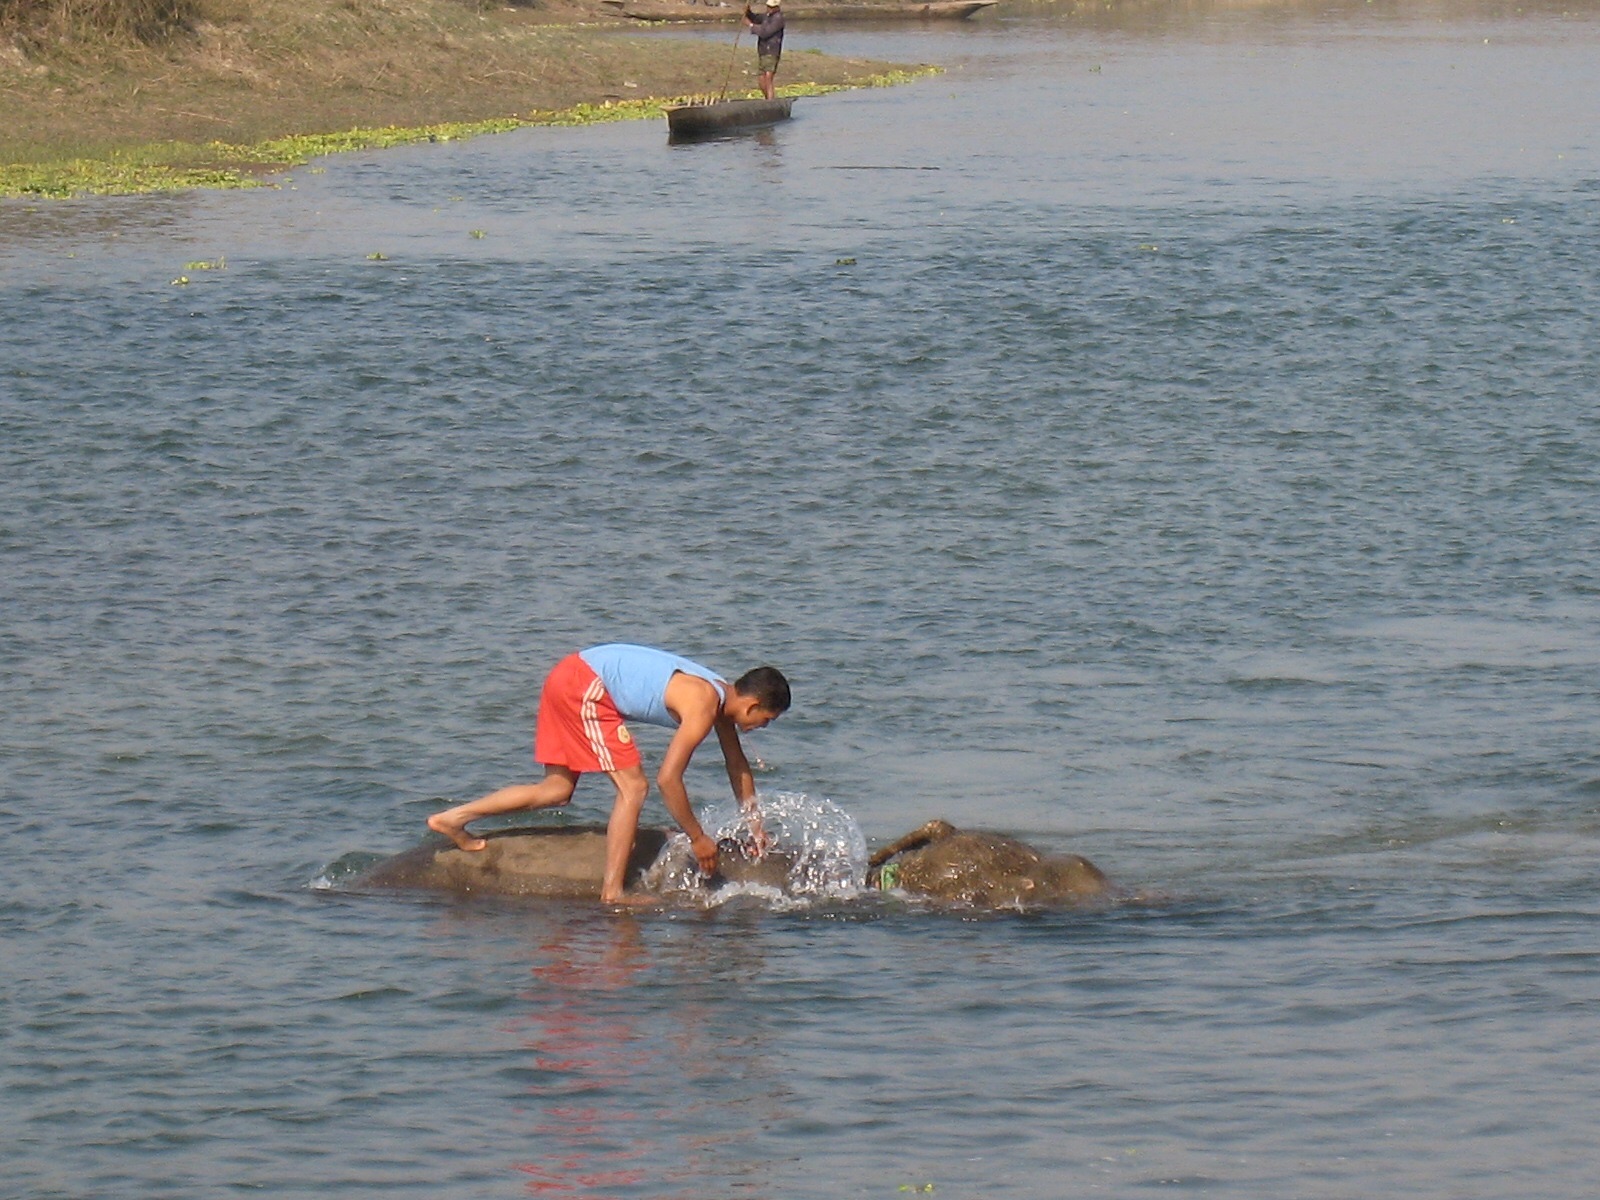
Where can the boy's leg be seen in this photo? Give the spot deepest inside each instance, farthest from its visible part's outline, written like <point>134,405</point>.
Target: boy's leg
<point>554,790</point>
<point>632,788</point>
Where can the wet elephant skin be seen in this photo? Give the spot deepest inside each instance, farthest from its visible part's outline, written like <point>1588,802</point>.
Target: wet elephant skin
<point>551,861</point>
<point>987,870</point>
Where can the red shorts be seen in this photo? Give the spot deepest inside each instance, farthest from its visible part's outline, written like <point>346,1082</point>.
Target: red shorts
<point>579,727</point>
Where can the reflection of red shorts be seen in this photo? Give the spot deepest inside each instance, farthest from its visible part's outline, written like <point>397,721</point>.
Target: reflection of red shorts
<point>579,726</point>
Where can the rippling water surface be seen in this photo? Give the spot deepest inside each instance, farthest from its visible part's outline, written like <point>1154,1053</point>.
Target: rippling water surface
<point>1174,440</point>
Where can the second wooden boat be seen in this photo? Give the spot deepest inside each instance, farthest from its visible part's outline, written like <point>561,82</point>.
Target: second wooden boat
<point>725,116</point>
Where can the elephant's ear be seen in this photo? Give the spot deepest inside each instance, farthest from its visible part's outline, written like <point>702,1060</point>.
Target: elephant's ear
<point>931,832</point>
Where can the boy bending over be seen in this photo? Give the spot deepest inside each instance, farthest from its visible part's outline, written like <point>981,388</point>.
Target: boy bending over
<point>586,701</point>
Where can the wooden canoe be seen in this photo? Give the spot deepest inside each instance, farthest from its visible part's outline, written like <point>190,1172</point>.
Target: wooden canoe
<point>803,10</point>
<point>725,116</point>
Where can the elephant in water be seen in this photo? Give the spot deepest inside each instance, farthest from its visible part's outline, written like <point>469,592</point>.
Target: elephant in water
<point>988,870</point>
<point>552,861</point>
<point>937,861</point>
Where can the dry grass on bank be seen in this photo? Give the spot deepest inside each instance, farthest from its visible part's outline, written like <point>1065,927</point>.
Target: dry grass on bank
<point>247,71</point>
<point>87,20</point>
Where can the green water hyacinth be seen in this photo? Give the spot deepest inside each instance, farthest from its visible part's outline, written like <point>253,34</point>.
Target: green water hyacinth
<point>88,177</point>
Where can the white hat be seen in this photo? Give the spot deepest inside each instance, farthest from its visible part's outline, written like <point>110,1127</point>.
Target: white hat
<point>772,3</point>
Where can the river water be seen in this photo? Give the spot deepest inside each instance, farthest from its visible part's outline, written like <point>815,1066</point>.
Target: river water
<point>1170,438</point>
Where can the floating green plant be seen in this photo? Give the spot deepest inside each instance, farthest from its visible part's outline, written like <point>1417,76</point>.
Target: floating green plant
<point>91,177</point>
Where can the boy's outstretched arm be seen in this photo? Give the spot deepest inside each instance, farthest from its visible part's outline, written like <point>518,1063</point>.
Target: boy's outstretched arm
<point>741,779</point>
<point>694,722</point>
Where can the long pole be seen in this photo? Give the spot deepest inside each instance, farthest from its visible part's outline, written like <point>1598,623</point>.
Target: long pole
<point>731,58</point>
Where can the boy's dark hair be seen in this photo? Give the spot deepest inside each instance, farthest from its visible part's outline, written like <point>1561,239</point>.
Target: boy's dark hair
<point>767,685</point>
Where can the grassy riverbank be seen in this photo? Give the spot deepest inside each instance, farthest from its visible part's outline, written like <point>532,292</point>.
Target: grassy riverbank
<point>250,84</point>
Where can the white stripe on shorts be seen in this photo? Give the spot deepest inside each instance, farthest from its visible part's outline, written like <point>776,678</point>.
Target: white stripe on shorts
<point>591,724</point>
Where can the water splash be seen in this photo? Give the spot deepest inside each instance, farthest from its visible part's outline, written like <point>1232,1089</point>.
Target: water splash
<point>827,848</point>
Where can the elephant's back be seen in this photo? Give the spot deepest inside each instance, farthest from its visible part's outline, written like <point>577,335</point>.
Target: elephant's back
<point>560,861</point>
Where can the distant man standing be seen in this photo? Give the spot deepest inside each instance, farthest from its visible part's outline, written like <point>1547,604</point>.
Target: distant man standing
<point>769,42</point>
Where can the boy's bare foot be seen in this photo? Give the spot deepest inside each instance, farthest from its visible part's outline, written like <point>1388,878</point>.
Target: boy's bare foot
<point>456,831</point>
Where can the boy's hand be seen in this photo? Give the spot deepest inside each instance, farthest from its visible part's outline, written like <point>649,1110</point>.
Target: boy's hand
<point>760,840</point>
<point>705,850</point>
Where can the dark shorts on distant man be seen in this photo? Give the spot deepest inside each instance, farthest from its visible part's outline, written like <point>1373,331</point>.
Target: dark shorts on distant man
<point>767,63</point>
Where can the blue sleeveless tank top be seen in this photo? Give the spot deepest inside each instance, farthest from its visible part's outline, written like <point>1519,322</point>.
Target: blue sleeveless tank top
<point>637,678</point>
